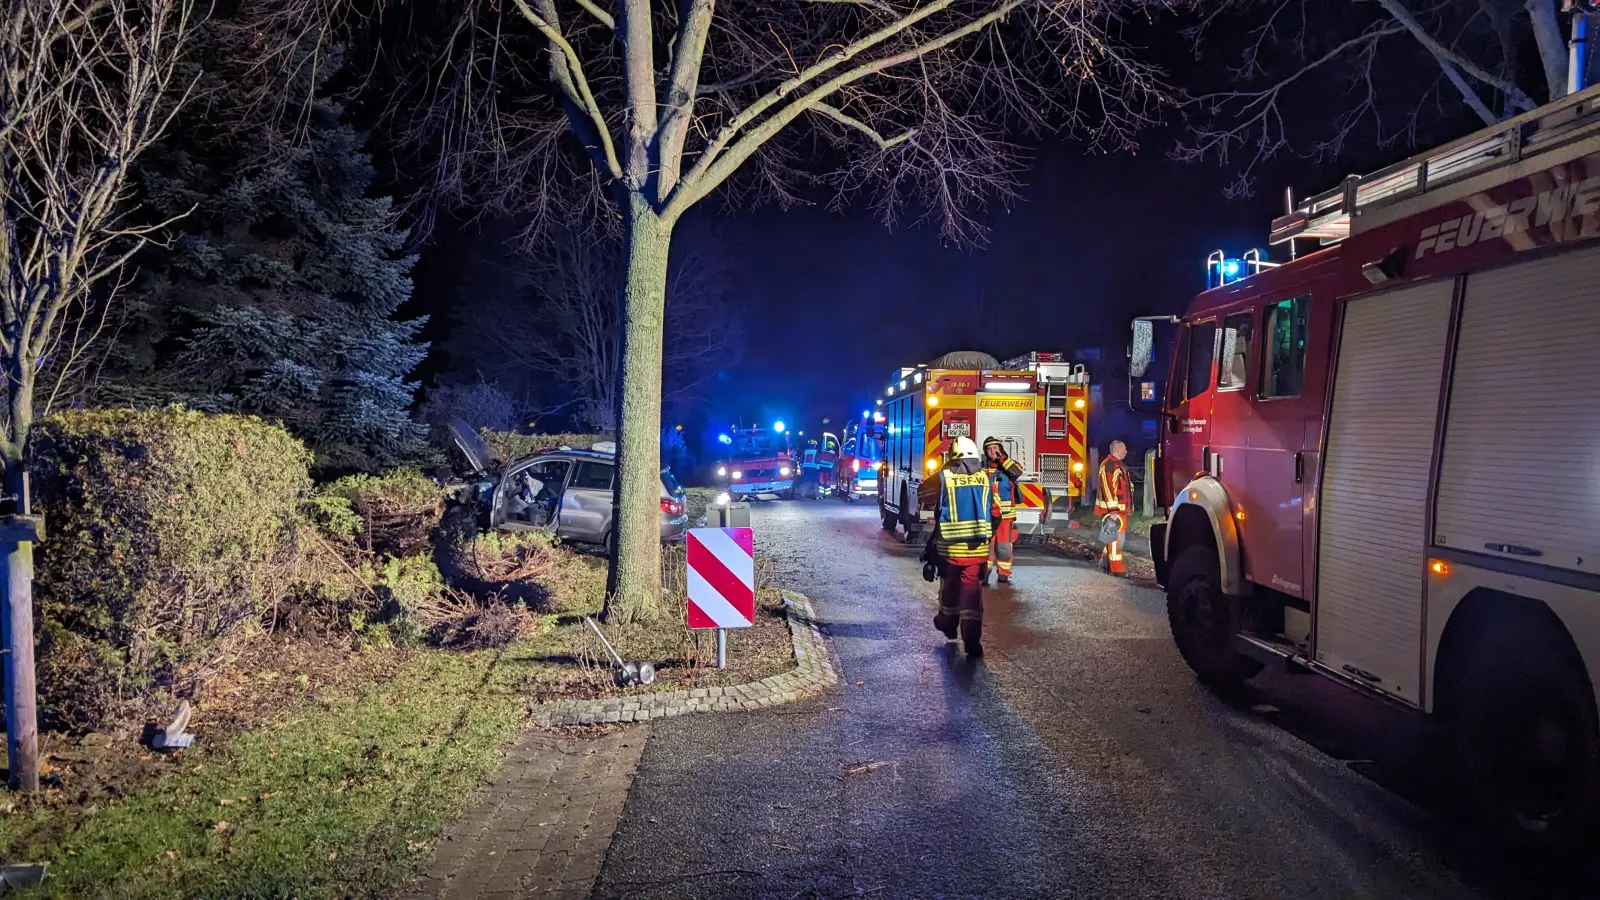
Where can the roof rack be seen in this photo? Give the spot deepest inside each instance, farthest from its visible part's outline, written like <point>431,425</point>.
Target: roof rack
<point>1327,216</point>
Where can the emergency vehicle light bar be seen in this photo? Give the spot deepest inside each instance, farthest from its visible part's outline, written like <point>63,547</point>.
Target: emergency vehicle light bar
<point>1327,216</point>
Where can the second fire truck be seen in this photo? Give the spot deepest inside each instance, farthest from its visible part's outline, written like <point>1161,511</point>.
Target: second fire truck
<point>1036,405</point>
<point>1396,440</point>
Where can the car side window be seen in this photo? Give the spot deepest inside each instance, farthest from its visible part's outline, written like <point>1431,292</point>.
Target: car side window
<point>595,476</point>
<point>552,472</point>
<point>1284,361</point>
<point>1233,366</point>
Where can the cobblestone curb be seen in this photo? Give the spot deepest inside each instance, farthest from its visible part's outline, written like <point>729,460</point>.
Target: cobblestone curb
<point>814,673</point>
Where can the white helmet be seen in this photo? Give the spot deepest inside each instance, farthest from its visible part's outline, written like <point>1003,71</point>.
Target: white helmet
<point>964,448</point>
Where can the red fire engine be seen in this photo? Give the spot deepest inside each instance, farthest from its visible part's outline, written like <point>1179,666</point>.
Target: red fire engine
<point>1037,405</point>
<point>1380,459</point>
<point>759,462</point>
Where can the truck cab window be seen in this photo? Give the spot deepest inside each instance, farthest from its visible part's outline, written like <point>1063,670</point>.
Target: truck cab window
<point>1202,349</point>
<point>1284,363</point>
<point>1234,363</point>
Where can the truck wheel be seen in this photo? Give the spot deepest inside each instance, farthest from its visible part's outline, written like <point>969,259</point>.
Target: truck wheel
<point>1522,716</point>
<point>890,520</point>
<point>1197,612</point>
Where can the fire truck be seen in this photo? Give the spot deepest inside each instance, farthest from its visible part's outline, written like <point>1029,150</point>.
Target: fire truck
<point>860,456</point>
<point>1381,459</point>
<point>758,461</point>
<point>1036,404</point>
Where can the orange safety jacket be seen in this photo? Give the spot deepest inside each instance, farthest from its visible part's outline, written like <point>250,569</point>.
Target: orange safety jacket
<point>1115,494</point>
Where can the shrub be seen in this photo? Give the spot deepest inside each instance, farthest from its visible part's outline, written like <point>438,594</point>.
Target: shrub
<point>169,532</point>
<point>396,512</point>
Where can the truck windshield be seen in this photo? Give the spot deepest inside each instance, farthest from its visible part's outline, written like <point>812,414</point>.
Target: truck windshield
<point>755,445</point>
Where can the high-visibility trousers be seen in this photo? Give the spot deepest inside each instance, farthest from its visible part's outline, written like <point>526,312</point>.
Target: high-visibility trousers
<point>1001,547</point>
<point>1111,555</point>
<point>961,600</point>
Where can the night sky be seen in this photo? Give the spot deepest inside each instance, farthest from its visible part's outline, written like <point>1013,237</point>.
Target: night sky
<point>833,302</point>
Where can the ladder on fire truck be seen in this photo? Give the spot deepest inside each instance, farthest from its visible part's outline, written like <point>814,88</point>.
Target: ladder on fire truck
<point>1055,385</point>
<point>1522,144</point>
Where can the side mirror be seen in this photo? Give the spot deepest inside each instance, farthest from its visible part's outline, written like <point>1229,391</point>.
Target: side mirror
<point>1143,349</point>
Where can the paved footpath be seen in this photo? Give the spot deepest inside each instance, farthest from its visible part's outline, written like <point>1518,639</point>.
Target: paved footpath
<point>541,828</point>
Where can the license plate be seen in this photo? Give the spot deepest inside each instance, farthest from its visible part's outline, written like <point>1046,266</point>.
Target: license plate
<point>958,429</point>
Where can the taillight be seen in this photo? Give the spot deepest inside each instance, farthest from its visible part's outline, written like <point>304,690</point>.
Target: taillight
<point>671,507</point>
<point>855,464</point>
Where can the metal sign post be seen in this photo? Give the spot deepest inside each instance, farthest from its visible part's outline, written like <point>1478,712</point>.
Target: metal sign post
<point>722,648</point>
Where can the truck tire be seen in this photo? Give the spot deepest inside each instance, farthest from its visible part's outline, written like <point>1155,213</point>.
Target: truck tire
<point>1197,614</point>
<point>890,520</point>
<point>1522,720</point>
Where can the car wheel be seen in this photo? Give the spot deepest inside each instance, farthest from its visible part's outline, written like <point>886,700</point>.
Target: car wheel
<point>1197,613</point>
<point>610,542</point>
<point>1526,736</point>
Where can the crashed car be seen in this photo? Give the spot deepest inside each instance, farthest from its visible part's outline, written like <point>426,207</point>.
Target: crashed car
<point>564,491</point>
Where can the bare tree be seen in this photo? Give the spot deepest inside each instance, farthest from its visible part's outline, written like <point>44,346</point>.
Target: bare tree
<point>1389,68</point>
<point>85,87</point>
<point>636,111</point>
<point>555,316</point>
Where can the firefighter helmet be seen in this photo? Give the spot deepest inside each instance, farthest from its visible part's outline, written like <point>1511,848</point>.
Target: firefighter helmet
<point>964,448</point>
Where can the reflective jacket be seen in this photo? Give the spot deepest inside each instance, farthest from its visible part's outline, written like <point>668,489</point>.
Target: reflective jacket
<point>1115,493</point>
<point>963,523</point>
<point>1004,475</point>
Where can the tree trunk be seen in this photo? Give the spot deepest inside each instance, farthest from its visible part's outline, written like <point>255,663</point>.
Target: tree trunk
<point>633,586</point>
<point>16,595</point>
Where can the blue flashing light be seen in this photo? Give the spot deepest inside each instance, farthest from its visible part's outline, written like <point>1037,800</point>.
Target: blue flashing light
<point>778,426</point>
<point>724,439</point>
<point>865,414</point>
<point>1230,268</point>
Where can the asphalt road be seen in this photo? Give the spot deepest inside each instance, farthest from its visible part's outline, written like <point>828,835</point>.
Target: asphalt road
<point>1078,758</point>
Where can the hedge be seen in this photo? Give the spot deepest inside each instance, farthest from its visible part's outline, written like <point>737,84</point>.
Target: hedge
<point>169,532</point>
<point>515,446</point>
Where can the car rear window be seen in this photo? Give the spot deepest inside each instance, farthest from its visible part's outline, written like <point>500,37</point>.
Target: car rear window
<point>669,482</point>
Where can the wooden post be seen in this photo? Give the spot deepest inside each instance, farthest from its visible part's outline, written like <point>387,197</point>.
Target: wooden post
<point>1149,498</point>
<point>18,534</point>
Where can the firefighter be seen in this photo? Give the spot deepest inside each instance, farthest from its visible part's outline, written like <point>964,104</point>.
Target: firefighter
<point>1003,474</point>
<point>1114,496</point>
<point>960,495</point>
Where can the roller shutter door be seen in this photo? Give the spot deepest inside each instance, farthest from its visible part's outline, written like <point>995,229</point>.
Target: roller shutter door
<point>1371,537</point>
<point>1521,464</point>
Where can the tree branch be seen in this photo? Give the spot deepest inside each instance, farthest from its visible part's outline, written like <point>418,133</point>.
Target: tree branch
<point>566,69</point>
<point>1446,57</point>
<point>682,87</point>
<point>850,121</point>
<point>832,59</point>
<point>700,183</point>
<point>601,15</point>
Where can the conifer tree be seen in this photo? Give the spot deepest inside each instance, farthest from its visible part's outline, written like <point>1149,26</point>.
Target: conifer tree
<point>279,291</point>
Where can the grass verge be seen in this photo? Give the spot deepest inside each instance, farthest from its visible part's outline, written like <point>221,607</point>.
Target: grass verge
<point>337,797</point>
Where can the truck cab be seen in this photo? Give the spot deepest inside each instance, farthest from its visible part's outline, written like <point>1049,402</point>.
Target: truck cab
<point>758,462</point>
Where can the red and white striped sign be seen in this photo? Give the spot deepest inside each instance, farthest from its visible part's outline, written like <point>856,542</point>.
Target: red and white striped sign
<point>722,578</point>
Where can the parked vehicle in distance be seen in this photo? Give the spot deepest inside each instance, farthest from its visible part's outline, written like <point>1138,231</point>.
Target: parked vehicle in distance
<point>564,491</point>
<point>860,458</point>
<point>758,462</point>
